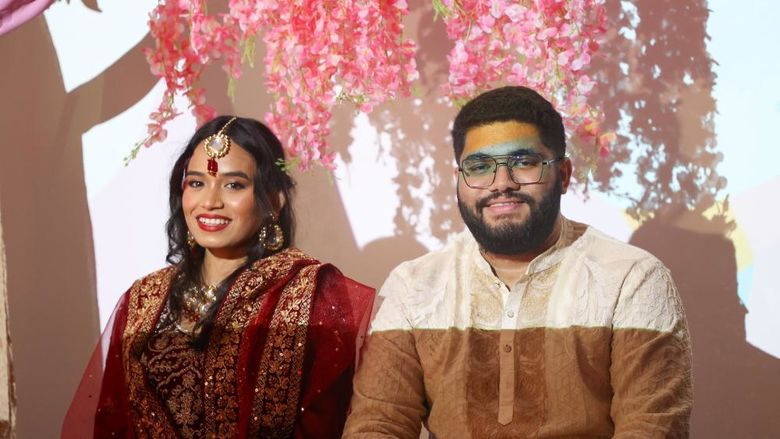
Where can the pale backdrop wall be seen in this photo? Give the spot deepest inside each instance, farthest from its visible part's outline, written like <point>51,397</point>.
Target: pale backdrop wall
<point>79,227</point>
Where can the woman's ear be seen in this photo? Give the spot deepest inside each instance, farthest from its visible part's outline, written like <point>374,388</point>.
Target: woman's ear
<point>281,202</point>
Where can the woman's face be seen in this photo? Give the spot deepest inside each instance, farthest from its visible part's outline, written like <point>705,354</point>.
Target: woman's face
<point>220,210</point>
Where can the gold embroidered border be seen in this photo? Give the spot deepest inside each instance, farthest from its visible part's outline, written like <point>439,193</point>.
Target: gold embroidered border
<point>147,297</point>
<point>221,360</point>
<point>279,376</point>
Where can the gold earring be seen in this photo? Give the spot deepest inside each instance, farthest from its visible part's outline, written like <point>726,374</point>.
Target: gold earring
<point>261,235</point>
<point>273,241</point>
<point>191,241</point>
<point>277,240</point>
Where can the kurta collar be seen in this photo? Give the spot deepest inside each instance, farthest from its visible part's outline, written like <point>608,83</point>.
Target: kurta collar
<point>549,258</point>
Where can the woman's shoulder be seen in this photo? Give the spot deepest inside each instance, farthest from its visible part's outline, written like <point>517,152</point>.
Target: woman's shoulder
<point>149,291</point>
<point>326,271</point>
<point>156,278</point>
<point>332,274</point>
<point>296,254</point>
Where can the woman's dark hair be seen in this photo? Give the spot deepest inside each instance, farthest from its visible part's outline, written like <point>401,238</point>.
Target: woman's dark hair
<point>510,103</point>
<point>270,180</point>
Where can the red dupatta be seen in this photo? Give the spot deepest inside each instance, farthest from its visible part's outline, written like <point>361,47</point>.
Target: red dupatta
<point>278,363</point>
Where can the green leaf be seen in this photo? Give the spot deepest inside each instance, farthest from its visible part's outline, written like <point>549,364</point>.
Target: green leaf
<point>133,153</point>
<point>248,54</point>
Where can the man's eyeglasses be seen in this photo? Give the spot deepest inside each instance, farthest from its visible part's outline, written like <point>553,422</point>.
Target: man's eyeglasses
<point>480,172</point>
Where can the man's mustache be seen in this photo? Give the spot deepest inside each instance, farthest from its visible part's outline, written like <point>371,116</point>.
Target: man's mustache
<point>515,196</point>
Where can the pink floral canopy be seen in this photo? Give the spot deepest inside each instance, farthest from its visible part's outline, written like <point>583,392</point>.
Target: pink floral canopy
<point>321,53</point>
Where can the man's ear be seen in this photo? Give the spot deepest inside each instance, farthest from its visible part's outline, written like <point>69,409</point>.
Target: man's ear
<point>565,174</point>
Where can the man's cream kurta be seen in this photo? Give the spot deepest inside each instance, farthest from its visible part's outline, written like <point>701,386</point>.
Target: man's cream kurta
<point>591,342</point>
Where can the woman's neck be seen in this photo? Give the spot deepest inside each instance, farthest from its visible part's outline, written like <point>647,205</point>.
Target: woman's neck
<point>215,268</point>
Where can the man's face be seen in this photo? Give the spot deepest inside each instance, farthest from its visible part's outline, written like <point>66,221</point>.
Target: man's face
<point>507,217</point>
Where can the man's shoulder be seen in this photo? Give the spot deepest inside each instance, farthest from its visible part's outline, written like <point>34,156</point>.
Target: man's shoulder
<point>604,249</point>
<point>415,294</point>
<point>437,261</point>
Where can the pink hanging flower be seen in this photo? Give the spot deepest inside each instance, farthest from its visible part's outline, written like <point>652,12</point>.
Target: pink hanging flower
<point>604,141</point>
<point>319,54</point>
<point>543,44</point>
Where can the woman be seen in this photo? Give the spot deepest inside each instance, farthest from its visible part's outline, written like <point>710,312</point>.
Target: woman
<point>242,335</point>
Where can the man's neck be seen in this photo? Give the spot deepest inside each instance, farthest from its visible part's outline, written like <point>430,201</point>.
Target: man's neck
<point>511,268</point>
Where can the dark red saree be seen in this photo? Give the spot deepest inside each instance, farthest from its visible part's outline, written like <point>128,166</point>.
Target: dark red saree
<point>278,362</point>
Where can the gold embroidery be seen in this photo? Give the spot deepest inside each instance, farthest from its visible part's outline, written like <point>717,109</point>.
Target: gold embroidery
<point>174,369</point>
<point>278,380</point>
<point>221,359</point>
<point>146,299</point>
<point>222,355</point>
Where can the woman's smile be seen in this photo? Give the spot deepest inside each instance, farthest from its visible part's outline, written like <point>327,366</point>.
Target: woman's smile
<point>212,223</point>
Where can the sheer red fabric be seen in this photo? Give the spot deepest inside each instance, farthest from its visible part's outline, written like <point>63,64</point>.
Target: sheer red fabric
<point>337,319</point>
<point>97,388</point>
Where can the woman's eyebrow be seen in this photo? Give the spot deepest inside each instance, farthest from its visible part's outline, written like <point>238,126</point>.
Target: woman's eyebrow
<point>236,174</point>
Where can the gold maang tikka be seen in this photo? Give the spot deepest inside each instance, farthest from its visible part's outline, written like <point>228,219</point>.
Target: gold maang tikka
<point>217,146</point>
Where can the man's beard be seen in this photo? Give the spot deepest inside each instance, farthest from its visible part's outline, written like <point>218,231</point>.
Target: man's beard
<point>512,238</point>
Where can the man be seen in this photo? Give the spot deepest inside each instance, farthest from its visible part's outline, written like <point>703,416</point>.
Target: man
<point>528,324</point>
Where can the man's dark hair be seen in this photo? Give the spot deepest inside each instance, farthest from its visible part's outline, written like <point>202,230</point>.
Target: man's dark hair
<point>511,103</point>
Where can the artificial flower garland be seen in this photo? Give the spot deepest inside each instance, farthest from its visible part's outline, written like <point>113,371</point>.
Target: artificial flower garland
<point>318,53</point>
<point>323,52</point>
<point>543,44</point>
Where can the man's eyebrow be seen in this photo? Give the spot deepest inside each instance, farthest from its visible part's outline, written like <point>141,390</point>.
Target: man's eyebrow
<point>517,152</point>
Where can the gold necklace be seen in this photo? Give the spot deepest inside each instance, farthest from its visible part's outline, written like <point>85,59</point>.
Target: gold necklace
<point>196,302</point>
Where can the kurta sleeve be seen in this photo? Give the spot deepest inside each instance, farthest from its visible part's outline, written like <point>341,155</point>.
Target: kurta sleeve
<point>389,395</point>
<point>651,357</point>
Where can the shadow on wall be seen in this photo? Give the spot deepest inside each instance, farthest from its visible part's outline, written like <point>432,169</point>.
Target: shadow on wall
<point>655,86</point>
<point>736,385</point>
<point>419,129</point>
<point>51,279</point>
<point>656,90</point>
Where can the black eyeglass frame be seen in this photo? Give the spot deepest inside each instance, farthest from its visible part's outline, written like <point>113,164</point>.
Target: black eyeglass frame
<point>505,162</point>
